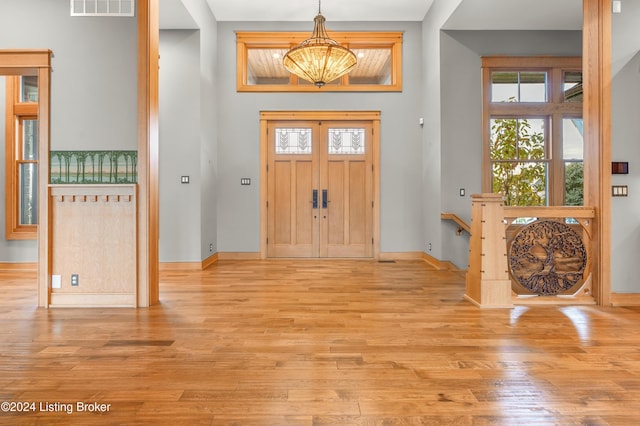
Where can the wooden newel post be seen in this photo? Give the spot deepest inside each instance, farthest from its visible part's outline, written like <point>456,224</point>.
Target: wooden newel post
<point>488,283</point>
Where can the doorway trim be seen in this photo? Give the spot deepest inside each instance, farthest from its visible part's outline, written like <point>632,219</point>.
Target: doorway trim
<point>372,116</point>
<point>148,243</point>
<point>37,62</point>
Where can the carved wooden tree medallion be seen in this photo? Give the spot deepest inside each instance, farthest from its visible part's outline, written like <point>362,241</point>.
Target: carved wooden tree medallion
<point>547,257</point>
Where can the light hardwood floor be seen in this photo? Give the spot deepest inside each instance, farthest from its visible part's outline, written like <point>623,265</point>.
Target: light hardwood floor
<point>318,343</point>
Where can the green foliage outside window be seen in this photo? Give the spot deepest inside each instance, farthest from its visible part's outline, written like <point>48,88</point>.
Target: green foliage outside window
<point>518,162</point>
<point>573,180</point>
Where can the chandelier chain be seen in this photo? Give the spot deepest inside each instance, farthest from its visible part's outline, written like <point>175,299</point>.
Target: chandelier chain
<point>319,59</point>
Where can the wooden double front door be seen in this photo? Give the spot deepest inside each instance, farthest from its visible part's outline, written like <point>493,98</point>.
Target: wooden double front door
<point>320,178</point>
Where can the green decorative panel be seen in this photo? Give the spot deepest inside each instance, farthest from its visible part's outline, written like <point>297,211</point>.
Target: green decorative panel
<point>93,167</point>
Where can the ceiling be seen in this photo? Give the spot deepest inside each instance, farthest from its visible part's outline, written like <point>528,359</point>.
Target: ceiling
<point>305,10</point>
<point>516,15</point>
<point>469,14</point>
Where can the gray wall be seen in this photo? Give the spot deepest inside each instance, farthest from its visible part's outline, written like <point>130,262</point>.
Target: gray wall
<point>461,123</point>
<point>431,139</point>
<point>625,218</point>
<point>462,112</point>
<point>179,135</point>
<point>209,104</point>
<point>239,140</point>
<point>93,83</point>
<point>188,138</point>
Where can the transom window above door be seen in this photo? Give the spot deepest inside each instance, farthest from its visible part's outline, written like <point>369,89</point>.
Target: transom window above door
<point>260,68</point>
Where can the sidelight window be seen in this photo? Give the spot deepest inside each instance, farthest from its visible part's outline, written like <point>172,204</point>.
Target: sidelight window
<point>21,151</point>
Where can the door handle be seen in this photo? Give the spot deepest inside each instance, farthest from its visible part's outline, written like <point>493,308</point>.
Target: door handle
<point>325,199</point>
<point>315,199</point>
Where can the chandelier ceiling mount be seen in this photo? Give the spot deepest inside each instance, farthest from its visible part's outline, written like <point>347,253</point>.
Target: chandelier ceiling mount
<point>319,59</point>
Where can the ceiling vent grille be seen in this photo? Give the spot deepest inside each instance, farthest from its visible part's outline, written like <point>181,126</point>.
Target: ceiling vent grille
<point>102,7</point>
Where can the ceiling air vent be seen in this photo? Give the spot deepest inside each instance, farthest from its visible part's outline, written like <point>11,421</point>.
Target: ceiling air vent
<point>102,7</point>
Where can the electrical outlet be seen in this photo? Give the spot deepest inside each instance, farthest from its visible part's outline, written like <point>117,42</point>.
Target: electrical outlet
<point>75,281</point>
<point>616,6</point>
<point>210,248</point>
<point>429,246</point>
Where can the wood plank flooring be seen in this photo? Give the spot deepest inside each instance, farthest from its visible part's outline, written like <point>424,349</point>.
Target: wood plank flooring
<point>317,343</point>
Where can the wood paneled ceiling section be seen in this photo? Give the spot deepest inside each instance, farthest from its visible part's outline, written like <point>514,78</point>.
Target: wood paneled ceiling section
<point>266,64</point>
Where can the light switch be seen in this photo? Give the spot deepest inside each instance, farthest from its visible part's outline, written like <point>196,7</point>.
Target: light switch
<point>619,191</point>
<point>184,179</point>
<point>245,181</point>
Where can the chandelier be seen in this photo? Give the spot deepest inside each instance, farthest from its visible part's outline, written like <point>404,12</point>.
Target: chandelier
<point>319,59</point>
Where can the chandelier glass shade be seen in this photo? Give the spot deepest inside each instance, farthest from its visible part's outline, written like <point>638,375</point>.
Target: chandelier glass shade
<point>319,59</point>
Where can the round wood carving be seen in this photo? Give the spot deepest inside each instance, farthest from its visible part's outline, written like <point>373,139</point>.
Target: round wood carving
<point>547,257</point>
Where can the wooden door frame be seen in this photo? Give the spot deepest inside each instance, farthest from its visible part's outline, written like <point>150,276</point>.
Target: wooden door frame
<point>267,116</point>
<point>148,285</point>
<point>596,69</point>
<point>38,62</point>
